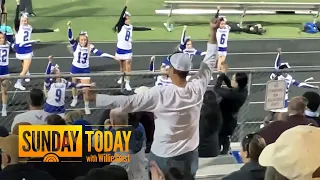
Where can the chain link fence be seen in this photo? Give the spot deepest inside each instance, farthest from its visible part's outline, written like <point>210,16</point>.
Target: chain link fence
<point>250,117</point>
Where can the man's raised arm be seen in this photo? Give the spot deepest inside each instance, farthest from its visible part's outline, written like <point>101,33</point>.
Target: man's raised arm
<point>208,64</point>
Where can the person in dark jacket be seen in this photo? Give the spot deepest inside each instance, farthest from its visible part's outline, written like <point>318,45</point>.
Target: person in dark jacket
<point>13,168</point>
<point>210,124</point>
<point>313,105</point>
<point>232,99</point>
<point>296,108</point>
<point>251,148</point>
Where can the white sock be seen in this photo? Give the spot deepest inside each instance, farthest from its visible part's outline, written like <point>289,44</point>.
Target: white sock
<point>28,73</point>
<point>75,97</point>
<point>86,104</point>
<point>19,81</point>
<point>4,106</point>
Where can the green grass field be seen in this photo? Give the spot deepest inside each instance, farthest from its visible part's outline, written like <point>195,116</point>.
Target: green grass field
<point>97,17</point>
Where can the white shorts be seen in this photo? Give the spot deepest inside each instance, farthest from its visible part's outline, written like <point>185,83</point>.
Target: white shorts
<point>27,56</point>
<point>222,53</point>
<point>124,56</point>
<point>82,78</point>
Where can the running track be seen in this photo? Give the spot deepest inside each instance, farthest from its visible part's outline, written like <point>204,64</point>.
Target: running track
<point>247,54</point>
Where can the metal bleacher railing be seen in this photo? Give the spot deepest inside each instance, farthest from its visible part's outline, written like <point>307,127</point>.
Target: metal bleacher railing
<point>250,116</point>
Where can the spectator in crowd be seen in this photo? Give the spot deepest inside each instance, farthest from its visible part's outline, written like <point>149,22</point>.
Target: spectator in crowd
<point>251,148</point>
<point>210,124</point>
<point>16,127</point>
<point>232,99</point>
<point>110,172</point>
<point>176,109</point>
<point>74,115</point>
<point>274,116</point>
<point>14,168</point>
<point>35,115</point>
<point>313,105</point>
<point>273,174</point>
<point>55,120</point>
<point>3,133</point>
<point>136,168</point>
<point>296,108</point>
<point>294,154</point>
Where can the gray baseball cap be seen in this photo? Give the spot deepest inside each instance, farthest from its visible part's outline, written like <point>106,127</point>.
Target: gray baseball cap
<point>181,61</point>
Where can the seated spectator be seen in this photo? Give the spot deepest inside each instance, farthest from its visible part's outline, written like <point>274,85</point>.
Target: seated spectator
<point>14,169</point>
<point>313,105</point>
<point>35,115</point>
<point>3,133</point>
<point>73,115</point>
<point>233,97</point>
<point>296,108</point>
<point>16,127</point>
<point>251,148</point>
<point>55,120</point>
<point>136,167</point>
<point>295,154</point>
<point>111,172</point>
<point>210,124</point>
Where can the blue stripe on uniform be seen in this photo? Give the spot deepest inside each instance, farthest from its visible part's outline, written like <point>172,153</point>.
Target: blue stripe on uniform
<point>124,51</point>
<point>54,109</point>
<point>222,49</point>
<point>4,70</point>
<point>23,49</point>
<point>76,70</point>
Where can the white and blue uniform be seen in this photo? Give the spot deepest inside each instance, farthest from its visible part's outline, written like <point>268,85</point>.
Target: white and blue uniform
<point>124,44</point>
<point>80,63</point>
<point>222,40</point>
<point>23,43</point>
<point>56,94</point>
<point>289,81</point>
<point>182,47</point>
<point>4,60</point>
<point>161,80</point>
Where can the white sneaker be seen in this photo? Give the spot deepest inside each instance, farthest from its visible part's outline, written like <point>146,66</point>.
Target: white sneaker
<point>19,86</point>
<point>27,80</point>
<point>87,111</point>
<point>4,113</point>
<point>74,102</point>
<point>120,81</point>
<point>128,87</point>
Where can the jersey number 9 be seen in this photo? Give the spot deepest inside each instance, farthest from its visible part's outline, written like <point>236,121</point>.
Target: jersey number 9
<point>82,57</point>
<point>58,95</point>
<point>25,36</point>
<point>128,34</point>
<point>4,55</point>
<point>222,39</point>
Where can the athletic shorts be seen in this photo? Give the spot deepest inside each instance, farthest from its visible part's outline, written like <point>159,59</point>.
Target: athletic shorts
<point>76,70</point>
<point>123,54</point>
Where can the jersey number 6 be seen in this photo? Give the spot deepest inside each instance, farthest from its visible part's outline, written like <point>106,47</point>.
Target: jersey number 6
<point>58,95</point>
<point>222,39</point>
<point>128,34</point>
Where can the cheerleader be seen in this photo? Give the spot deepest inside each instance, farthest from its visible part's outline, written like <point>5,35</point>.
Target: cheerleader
<point>161,79</point>
<point>4,71</point>
<point>222,40</point>
<point>23,48</point>
<point>124,44</point>
<point>80,65</point>
<point>278,65</point>
<point>56,90</point>
<point>186,45</point>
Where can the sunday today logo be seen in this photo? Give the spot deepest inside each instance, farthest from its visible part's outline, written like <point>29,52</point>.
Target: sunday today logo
<point>53,142</point>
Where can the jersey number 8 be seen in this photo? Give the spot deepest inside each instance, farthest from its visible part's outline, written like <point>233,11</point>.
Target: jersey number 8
<point>58,95</point>
<point>82,57</point>
<point>128,34</point>
<point>25,36</point>
<point>4,55</point>
<point>222,39</point>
